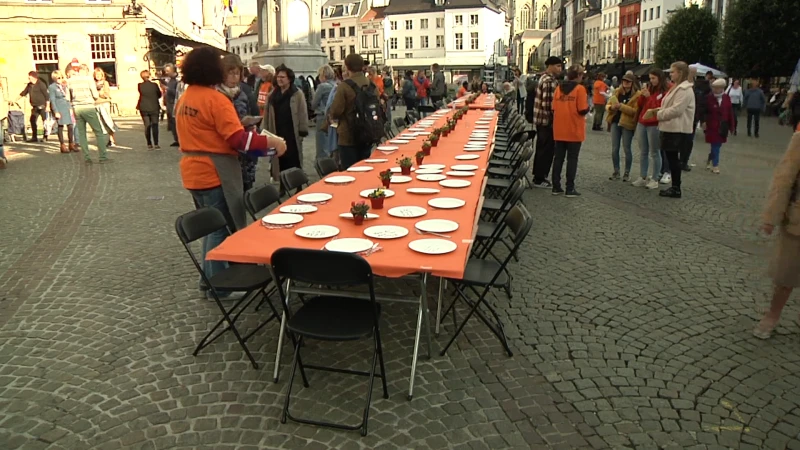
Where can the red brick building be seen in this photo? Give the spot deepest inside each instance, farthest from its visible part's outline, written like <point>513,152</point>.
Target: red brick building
<point>629,12</point>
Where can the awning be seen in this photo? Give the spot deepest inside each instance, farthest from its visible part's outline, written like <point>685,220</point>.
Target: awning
<point>642,70</point>
<point>702,69</point>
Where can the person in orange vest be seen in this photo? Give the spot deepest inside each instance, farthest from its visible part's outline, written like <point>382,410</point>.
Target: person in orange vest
<point>599,100</point>
<point>570,106</point>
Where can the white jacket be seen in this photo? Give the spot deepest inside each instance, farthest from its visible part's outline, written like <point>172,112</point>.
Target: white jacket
<point>677,110</point>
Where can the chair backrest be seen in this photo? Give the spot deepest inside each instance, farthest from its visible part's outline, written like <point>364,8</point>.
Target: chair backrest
<point>198,224</point>
<point>326,166</point>
<point>519,223</point>
<point>321,267</point>
<point>293,178</point>
<point>399,123</point>
<point>260,198</point>
<point>411,116</point>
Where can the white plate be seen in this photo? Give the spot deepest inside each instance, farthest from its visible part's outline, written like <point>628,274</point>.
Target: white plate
<point>407,211</point>
<point>388,148</point>
<point>376,160</point>
<point>428,171</point>
<point>466,167</point>
<point>360,168</point>
<point>446,202</point>
<point>467,157</point>
<point>476,143</point>
<point>340,179</point>
<point>409,137</point>
<point>317,231</point>
<point>422,191</point>
<point>282,219</point>
<point>480,127</point>
<point>398,170</point>
<point>400,141</point>
<point>399,179</point>
<point>314,198</point>
<point>474,149</point>
<point>436,225</point>
<point>460,173</point>
<point>431,177</point>
<point>455,183</point>
<point>298,209</point>
<point>349,245</point>
<point>432,166</point>
<point>433,246</point>
<point>422,133</point>
<point>386,232</point>
<point>349,215</point>
<point>365,193</point>
<point>416,129</point>
<point>478,134</point>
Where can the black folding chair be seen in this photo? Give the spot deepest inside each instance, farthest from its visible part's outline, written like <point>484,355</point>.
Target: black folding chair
<point>400,124</point>
<point>330,317</point>
<point>425,110</point>
<point>261,198</point>
<point>293,178</point>
<point>411,116</point>
<point>326,166</point>
<point>250,278</point>
<point>485,274</point>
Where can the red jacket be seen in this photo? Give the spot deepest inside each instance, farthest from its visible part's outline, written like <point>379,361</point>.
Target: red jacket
<point>716,113</point>
<point>422,87</point>
<point>645,103</point>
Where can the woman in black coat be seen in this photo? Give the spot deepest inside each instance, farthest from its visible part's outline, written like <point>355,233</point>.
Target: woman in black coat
<point>149,94</point>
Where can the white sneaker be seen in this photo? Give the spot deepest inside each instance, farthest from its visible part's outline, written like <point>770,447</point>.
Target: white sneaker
<point>666,179</point>
<point>651,184</point>
<point>641,182</point>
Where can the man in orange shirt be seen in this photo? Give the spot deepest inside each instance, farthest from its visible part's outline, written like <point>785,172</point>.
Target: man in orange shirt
<point>264,86</point>
<point>570,106</point>
<point>599,100</point>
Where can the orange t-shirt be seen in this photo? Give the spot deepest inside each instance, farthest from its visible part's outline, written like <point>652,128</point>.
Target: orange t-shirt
<point>462,91</point>
<point>263,93</point>
<point>597,93</point>
<point>568,124</point>
<point>205,120</point>
<point>378,80</point>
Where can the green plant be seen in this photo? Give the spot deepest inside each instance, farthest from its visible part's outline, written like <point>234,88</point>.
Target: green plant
<point>377,193</point>
<point>359,208</point>
<point>385,175</point>
<point>420,154</point>
<point>405,161</point>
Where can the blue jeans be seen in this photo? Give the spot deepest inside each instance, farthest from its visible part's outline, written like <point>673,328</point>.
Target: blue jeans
<point>715,148</point>
<point>649,147</point>
<point>322,144</point>
<point>626,136</point>
<point>215,199</point>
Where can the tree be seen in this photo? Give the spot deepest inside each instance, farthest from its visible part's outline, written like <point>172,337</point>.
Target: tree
<point>760,38</point>
<point>688,36</point>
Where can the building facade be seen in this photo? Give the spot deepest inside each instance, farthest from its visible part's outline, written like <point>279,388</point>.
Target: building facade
<point>112,35</point>
<point>475,38</point>
<point>654,15</point>
<point>414,40</point>
<point>609,31</point>
<point>579,33</point>
<point>340,20</point>
<point>243,43</point>
<point>370,37</point>
<point>629,15</point>
<point>591,25</point>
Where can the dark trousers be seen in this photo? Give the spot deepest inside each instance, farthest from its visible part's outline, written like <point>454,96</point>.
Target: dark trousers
<point>70,134</point>
<point>36,112</point>
<point>436,99</point>
<point>150,120</point>
<point>171,125</point>
<point>737,107</point>
<point>599,111</point>
<point>753,115</point>
<point>411,103</point>
<point>675,146</point>
<point>570,151</point>
<point>520,104</point>
<point>545,147</point>
<point>351,154</point>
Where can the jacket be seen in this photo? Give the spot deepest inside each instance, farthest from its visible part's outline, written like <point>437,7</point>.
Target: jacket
<point>39,95</point>
<point>409,91</point>
<point>252,106</point>
<point>716,113</point>
<point>645,103</point>
<point>677,110</point>
<point>343,108</point>
<point>60,103</point>
<point>755,100</point>
<point>149,93</point>
<point>629,111</point>
<point>439,87</point>
<point>320,101</point>
<point>172,94</point>
<point>299,117</point>
<point>782,207</point>
<point>422,87</point>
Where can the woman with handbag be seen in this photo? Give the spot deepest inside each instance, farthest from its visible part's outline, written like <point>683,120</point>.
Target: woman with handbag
<point>61,108</point>
<point>717,121</point>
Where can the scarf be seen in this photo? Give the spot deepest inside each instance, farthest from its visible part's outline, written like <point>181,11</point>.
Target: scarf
<point>230,92</point>
<point>719,98</point>
<point>278,96</point>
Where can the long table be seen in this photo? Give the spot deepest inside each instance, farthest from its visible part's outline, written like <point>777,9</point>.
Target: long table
<point>256,243</point>
<point>482,102</point>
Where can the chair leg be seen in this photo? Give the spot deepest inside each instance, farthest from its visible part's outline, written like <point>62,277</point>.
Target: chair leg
<point>496,330</point>
<point>231,326</point>
<point>380,359</point>
<point>295,359</point>
<point>370,385</point>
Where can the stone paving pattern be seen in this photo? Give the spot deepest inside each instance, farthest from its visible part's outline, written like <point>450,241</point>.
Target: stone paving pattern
<point>630,323</point>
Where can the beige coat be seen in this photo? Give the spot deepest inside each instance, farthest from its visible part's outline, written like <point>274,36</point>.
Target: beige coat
<point>677,110</point>
<point>299,118</point>
<point>783,207</point>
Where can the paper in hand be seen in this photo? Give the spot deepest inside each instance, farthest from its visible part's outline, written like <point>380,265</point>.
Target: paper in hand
<point>651,113</point>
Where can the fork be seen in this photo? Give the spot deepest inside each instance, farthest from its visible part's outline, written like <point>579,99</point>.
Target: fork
<point>431,232</point>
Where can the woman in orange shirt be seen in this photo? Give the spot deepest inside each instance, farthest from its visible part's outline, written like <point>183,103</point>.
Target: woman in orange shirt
<point>462,91</point>
<point>211,138</point>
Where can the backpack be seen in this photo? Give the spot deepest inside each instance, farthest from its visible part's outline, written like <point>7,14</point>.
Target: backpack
<point>367,128</point>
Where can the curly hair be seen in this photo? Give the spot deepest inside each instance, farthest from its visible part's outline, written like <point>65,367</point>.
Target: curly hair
<point>203,67</point>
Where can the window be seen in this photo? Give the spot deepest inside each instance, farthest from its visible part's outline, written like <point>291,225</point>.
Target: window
<point>393,43</point>
<point>459,41</point>
<point>409,42</point>
<point>658,12</point>
<point>423,42</point>
<point>343,52</point>
<point>409,55</point>
<point>342,32</point>
<point>352,49</point>
<point>393,24</point>
<point>440,22</point>
<point>439,41</point>
<point>525,18</point>
<point>347,9</point>
<point>332,53</point>
<point>322,33</point>
<point>351,31</point>
<point>543,18</point>
<point>363,41</point>
<point>409,24</point>
<point>45,54</point>
<point>473,41</point>
<point>439,2</point>
<point>459,20</point>
<point>328,11</point>
<point>473,19</point>
<point>423,24</point>
<point>392,55</point>
<point>324,51</point>
<point>332,33</point>
<point>375,41</point>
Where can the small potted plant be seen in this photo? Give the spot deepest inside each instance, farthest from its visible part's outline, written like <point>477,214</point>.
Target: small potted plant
<point>434,137</point>
<point>445,130</point>
<point>359,211</point>
<point>452,123</point>
<point>386,178</point>
<point>405,165</point>
<point>426,148</point>
<point>420,155</point>
<point>376,198</point>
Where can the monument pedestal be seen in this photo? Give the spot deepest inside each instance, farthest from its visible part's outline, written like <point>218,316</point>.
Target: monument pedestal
<point>302,59</point>
<point>296,42</point>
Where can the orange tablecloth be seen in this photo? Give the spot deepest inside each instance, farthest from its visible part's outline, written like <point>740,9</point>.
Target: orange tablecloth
<point>256,243</point>
<point>480,102</point>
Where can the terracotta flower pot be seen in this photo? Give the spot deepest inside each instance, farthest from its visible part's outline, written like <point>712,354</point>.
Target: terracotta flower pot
<point>426,150</point>
<point>433,143</point>
<point>405,170</point>
<point>386,182</point>
<point>358,219</point>
<point>376,202</point>
<point>419,161</point>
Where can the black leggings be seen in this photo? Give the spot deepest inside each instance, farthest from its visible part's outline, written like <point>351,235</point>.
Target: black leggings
<point>675,146</point>
<point>70,134</point>
<point>150,120</point>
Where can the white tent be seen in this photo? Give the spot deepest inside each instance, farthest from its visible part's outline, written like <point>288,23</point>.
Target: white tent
<point>702,69</point>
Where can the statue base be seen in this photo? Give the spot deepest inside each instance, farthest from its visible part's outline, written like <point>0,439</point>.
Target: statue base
<point>303,59</point>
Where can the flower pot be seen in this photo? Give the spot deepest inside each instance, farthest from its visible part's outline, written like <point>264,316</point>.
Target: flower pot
<point>433,143</point>
<point>426,150</point>
<point>358,219</point>
<point>405,170</point>
<point>419,161</point>
<point>376,202</point>
<point>386,182</point>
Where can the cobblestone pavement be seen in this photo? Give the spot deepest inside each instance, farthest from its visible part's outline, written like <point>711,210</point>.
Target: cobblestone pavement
<point>630,323</point>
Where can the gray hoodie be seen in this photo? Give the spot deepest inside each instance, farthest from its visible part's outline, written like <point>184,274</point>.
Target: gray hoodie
<point>755,100</point>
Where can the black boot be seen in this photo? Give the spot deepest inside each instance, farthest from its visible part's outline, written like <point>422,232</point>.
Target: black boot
<point>672,192</point>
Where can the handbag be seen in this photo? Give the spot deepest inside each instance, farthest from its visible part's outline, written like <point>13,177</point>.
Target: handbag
<point>724,128</point>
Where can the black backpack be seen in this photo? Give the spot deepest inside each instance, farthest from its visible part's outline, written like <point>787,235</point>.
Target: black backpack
<point>367,128</point>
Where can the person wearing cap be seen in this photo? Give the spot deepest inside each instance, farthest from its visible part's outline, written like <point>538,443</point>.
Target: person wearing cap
<point>543,119</point>
<point>717,122</point>
<point>570,106</point>
<point>622,114</point>
<point>264,86</point>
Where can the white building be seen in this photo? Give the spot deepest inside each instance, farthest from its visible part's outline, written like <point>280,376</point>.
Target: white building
<point>609,31</point>
<point>338,28</point>
<point>245,43</point>
<point>415,34</point>
<point>654,16</point>
<point>718,7</point>
<point>472,36</point>
<point>591,32</point>
<point>370,36</point>
<point>567,28</point>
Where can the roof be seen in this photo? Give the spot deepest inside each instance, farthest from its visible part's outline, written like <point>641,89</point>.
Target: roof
<point>338,8</point>
<point>535,34</point>
<point>374,14</point>
<point>252,29</point>
<point>422,6</point>
<point>592,13</point>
